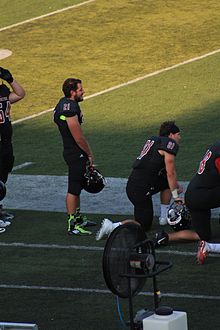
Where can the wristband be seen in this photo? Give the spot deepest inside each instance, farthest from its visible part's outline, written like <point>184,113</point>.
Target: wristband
<point>174,193</point>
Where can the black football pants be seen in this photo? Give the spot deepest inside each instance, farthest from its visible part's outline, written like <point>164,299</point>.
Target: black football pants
<point>200,201</point>
<point>6,160</point>
<point>143,205</point>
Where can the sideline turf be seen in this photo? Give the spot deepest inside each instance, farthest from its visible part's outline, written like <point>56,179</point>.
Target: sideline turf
<point>59,310</point>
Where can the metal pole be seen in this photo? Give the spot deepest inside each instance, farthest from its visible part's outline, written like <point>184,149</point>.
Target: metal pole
<point>130,305</point>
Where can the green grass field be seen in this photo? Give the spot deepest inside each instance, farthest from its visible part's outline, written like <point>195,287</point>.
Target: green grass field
<point>64,287</point>
<point>135,40</point>
<point>106,43</point>
<point>124,118</point>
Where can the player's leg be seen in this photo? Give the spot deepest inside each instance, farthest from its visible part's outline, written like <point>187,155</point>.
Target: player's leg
<point>6,165</point>
<point>76,170</point>
<point>165,198</point>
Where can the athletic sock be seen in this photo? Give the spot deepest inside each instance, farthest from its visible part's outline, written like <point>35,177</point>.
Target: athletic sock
<point>164,210</point>
<point>213,247</point>
<point>116,224</point>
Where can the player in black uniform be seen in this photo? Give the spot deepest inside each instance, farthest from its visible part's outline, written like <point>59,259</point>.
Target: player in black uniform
<point>76,153</point>
<point>202,195</point>
<point>153,171</point>
<point>7,97</point>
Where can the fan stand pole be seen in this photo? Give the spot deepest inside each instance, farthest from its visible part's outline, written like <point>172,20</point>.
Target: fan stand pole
<point>156,290</point>
<point>130,305</point>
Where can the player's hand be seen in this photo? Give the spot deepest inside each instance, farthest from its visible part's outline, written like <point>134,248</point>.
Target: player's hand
<point>179,200</point>
<point>6,75</point>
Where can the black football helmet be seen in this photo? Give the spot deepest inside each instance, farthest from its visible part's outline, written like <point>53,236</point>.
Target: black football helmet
<point>94,180</point>
<point>2,190</point>
<point>178,216</point>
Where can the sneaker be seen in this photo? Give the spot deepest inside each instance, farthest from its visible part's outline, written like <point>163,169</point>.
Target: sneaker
<point>4,223</point>
<point>83,221</point>
<point>162,221</point>
<point>79,230</point>
<point>202,252</point>
<point>2,230</point>
<point>105,229</point>
<point>161,238</point>
<point>87,223</point>
<point>5,215</point>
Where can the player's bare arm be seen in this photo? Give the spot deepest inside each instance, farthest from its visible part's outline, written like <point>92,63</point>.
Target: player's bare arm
<point>78,136</point>
<point>18,92</point>
<point>171,174</point>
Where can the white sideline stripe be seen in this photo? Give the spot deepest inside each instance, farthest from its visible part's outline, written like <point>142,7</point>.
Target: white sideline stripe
<point>52,246</point>
<point>18,167</point>
<point>83,290</point>
<point>127,83</point>
<point>91,248</point>
<point>45,15</point>
<point>31,116</point>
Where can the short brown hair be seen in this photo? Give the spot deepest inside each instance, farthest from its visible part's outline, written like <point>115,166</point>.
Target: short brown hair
<point>70,84</point>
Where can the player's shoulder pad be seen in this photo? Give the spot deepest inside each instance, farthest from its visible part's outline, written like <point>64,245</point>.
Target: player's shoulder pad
<point>169,145</point>
<point>67,107</point>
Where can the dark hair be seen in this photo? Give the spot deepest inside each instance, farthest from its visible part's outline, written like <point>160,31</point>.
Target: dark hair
<point>168,127</point>
<point>70,84</point>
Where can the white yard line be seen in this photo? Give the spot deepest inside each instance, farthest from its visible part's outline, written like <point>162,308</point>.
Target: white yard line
<point>91,248</point>
<point>52,246</point>
<point>155,73</point>
<point>94,290</point>
<point>83,290</point>
<point>18,167</point>
<point>45,15</point>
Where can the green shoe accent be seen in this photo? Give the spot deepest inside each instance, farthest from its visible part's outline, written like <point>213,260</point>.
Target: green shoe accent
<point>81,230</point>
<point>87,223</point>
<point>78,219</point>
<point>78,210</point>
<point>82,220</point>
<point>70,222</point>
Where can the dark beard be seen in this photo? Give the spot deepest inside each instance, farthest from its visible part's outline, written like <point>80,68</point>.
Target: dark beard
<point>79,99</point>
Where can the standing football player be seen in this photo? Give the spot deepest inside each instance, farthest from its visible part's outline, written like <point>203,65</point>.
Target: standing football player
<point>7,97</point>
<point>153,171</point>
<point>76,153</point>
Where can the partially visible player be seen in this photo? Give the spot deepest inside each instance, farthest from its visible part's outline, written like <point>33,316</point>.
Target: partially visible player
<point>202,195</point>
<point>7,97</point>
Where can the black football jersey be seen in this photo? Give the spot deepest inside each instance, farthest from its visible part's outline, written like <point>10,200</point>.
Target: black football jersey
<point>207,175</point>
<point>67,108</point>
<point>5,106</point>
<point>150,163</point>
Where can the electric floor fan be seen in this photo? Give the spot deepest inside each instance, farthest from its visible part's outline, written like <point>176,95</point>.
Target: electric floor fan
<point>128,260</point>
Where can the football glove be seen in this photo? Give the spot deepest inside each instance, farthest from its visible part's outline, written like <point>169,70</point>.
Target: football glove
<point>6,75</point>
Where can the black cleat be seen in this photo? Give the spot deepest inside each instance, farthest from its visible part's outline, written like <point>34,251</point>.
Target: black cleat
<point>161,238</point>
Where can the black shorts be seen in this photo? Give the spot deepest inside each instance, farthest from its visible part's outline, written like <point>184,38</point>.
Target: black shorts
<point>76,171</point>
